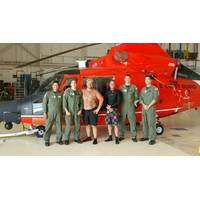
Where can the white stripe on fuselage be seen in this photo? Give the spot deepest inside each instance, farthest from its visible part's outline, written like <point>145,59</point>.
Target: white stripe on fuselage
<point>32,115</point>
<point>197,81</point>
<point>165,110</point>
<point>161,110</point>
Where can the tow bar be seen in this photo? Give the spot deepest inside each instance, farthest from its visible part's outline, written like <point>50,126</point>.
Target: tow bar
<point>28,132</point>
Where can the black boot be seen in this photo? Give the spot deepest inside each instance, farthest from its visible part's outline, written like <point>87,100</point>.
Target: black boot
<point>152,142</point>
<point>66,142</point>
<point>109,138</point>
<point>134,139</point>
<point>78,141</point>
<point>116,140</point>
<point>121,138</point>
<point>95,141</point>
<point>47,144</point>
<point>59,142</point>
<point>87,139</point>
<point>144,139</point>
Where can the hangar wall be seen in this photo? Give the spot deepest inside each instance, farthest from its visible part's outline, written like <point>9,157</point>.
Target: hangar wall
<point>11,55</point>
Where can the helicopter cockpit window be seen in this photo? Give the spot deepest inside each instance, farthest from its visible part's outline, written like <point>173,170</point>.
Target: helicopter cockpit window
<point>100,84</point>
<point>46,85</point>
<point>37,109</point>
<point>187,73</point>
<point>37,106</point>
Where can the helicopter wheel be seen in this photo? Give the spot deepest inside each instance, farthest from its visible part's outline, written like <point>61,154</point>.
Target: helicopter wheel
<point>159,129</point>
<point>41,130</point>
<point>8,125</point>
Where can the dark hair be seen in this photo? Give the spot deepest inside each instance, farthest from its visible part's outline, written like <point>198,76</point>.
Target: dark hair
<point>111,81</point>
<point>128,75</point>
<point>73,80</point>
<point>148,76</point>
<point>55,82</point>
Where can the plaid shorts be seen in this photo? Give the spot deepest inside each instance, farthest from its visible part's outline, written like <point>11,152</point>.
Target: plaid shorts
<point>112,118</point>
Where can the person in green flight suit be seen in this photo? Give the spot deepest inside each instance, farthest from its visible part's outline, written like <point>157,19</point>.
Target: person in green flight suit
<point>149,97</point>
<point>72,105</point>
<point>129,97</point>
<point>52,107</point>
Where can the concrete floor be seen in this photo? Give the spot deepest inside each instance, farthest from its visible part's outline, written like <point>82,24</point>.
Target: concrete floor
<point>181,137</point>
<point>182,131</point>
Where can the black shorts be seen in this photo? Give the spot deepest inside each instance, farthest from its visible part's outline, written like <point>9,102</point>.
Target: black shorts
<point>89,117</point>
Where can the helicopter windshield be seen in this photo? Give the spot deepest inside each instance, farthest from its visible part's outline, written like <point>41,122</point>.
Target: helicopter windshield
<point>185,72</point>
<point>46,85</point>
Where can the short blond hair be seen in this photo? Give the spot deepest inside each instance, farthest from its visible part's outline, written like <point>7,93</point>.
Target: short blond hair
<point>90,79</point>
<point>87,80</point>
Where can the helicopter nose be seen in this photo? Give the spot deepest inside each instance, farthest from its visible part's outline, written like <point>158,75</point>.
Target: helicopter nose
<point>191,86</point>
<point>196,96</point>
<point>196,78</point>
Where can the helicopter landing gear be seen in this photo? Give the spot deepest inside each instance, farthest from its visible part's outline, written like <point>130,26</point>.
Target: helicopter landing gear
<point>8,125</point>
<point>159,127</point>
<point>40,132</point>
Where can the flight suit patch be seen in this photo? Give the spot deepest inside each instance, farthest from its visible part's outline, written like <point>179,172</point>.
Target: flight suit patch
<point>125,90</point>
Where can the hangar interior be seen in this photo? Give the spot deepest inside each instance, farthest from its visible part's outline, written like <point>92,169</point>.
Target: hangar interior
<point>18,79</point>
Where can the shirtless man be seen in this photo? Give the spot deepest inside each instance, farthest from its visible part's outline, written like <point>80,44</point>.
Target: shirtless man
<point>92,103</point>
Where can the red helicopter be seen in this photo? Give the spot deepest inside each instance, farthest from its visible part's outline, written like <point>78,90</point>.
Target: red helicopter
<point>178,85</point>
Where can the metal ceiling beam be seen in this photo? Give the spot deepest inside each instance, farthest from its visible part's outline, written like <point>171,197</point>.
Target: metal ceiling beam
<point>6,48</point>
<point>25,49</point>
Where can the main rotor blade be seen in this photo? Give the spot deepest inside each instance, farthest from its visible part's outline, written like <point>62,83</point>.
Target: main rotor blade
<point>57,70</point>
<point>57,54</point>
